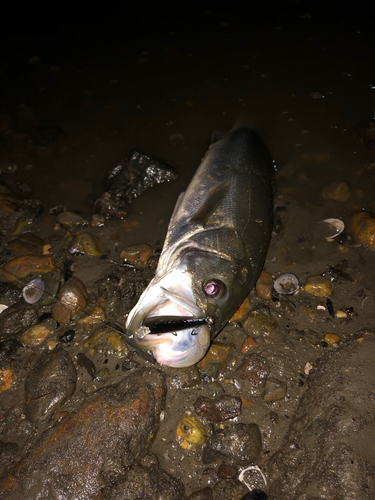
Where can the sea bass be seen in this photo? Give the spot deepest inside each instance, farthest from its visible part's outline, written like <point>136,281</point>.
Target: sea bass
<point>213,253</point>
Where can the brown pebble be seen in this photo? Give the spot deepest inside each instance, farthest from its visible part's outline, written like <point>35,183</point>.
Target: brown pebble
<point>332,338</point>
<point>248,344</point>
<point>227,472</point>
<point>241,311</point>
<point>338,191</point>
<point>60,415</point>
<point>263,286</point>
<point>137,253</point>
<point>363,229</point>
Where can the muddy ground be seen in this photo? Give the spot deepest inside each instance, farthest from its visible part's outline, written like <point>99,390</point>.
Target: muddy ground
<point>80,97</point>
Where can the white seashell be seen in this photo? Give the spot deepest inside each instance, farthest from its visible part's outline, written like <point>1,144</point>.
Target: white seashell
<point>286,284</point>
<point>337,225</point>
<point>3,307</point>
<point>33,290</point>
<point>8,167</point>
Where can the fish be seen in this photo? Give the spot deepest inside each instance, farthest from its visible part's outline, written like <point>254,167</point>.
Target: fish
<point>213,254</point>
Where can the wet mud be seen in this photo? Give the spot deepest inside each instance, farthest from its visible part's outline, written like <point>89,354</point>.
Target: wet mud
<point>282,406</point>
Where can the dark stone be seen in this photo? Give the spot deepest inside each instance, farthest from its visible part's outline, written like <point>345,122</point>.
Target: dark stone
<point>17,319</point>
<point>217,410</point>
<point>229,489</point>
<point>226,471</point>
<point>239,444</point>
<point>86,363</point>
<point>203,494</point>
<point>67,336</point>
<point>93,448</point>
<point>148,484</point>
<point>254,368</point>
<point>7,348</point>
<point>7,454</point>
<point>272,390</point>
<point>255,495</point>
<point>9,294</point>
<point>50,382</point>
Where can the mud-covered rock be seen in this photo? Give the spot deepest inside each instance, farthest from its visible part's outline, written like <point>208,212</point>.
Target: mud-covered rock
<point>255,495</point>
<point>7,453</point>
<point>238,444</point>
<point>54,377</point>
<point>121,289</point>
<point>217,410</point>
<point>254,368</point>
<point>203,494</point>
<point>326,449</point>
<point>72,299</point>
<point>229,489</point>
<point>27,244</point>
<point>226,471</point>
<point>9,294</point>
<point>217,358</point>
<point>91,448</point>
<point>87,243</point>
<point>7,348</point>
<point>16,319</point>
<point>147,483</point>
<point>272,390</point>
<point>259,325</point>
<point>185,378</point>
<point>107,341</point>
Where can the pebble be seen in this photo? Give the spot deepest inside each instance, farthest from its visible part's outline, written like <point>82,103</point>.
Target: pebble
<point>254,368</point>
<point>338,191</point>
<point>226,471</point>
<point>274,417</point>
<point>260,325</point>
<point>263,286</point>
<point>16,319</point>
<point>341,314</point>
<point>217,358</point>
<point>72,299</point>
<point>203,494</point>
<point>214,389</point>
<point>217,410</point>
<point>272,390</point>
<point>67,337</point>
<point>363,229</point>
<point>332,338</point>
<point>137,254</point>
<point>102,375</point>
<point>108,342</point>
<point>248,344</point>
<point>7,377</point>
<point>69,220</point>
<point>9,294</point>
<point>190,433</point>
<point>27,244</point>
<point>87,243</point>
<point>8,347</point>
<point>241,311</point>
<point>37,334</point>
<point>51,344</point>
<point>22,266</point>
<point>97,316</point>
<point>86,363</point>
<point>54,377</point>
<point>239,444</point>
<point>319,286</point>
<point>185,378</point>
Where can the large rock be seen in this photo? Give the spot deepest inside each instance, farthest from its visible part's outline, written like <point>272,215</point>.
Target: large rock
<point>90,449</point>
<point>328,451</point>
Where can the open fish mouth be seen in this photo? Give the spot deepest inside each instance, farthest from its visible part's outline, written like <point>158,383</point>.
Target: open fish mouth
<point>174,328</point>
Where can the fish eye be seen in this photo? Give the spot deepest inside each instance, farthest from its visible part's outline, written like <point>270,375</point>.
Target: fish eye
<point>213,288</point>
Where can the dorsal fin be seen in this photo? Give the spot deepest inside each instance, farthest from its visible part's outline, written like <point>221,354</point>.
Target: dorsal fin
<point>215,196</point>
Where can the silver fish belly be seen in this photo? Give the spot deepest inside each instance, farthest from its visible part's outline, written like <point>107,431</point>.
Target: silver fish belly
<point>213,254</point>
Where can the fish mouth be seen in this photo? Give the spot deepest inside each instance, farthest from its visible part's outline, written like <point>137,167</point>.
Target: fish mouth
<point>173,327</point>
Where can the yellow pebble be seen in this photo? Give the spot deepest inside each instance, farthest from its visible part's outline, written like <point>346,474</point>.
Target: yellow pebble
<point>319,286</point>
<point>341,314</point>
<point>190,433</point>
<point>332,338</point>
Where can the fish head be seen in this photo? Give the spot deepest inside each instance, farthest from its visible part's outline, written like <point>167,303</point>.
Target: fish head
<point>180,342</point>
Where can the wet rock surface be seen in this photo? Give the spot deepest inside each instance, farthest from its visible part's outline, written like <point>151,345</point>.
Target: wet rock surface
<point>108,432</point>
<point>50,382</point>
<point>16,319</point>
<point>322,442</point>
<point>217,410</point>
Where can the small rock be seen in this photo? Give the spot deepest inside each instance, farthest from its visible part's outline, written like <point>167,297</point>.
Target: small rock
<point>107,341</point>
<point>239,444</point>
<point>274,417</point>
<point>88,244</point>
<point>241,311</point>
<point>7,348</point>
<point>53,377</point>
<point>259,325</point>
<point>185,378</point>
<point>363,229</point>
<point>338,191</point>
<point>72,299</point>
<point>229,489</point>
<point>22,266</point>
<point>86,363</point>
<point>9,294</point>
<point>69,220</point>
<point>332,338</point>
<point>227,472</point>
<point>16,319</point>
<point>254,368</point>
<point>97,316</point>
<point>263,286</point>
<point>7,377</point>
<point>190,433</point>
<point>109,207</point>
<point>272,390</point>
<point>27,244</point>
<point>248,344</point>
<point>216,358</point>
<point>216,410</point>
<point>319,286</point>
<point>203,494</point>
<point>51,344</point>
<point>137,254</point>
<point>102,375</point>
<point>214,389</point>
<point>67,336</point>
<point>37,333</point>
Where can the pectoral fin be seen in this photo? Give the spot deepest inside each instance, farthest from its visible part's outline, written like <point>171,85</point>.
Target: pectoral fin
<point>213,200</point>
